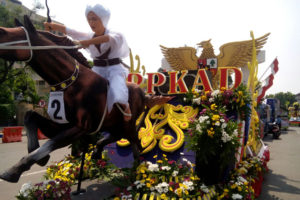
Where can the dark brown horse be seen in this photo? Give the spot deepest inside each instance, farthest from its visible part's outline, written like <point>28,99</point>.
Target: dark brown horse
<point>84,98</point>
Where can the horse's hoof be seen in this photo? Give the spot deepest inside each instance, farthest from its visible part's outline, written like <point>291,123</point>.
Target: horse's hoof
<point>13,178</point>
<point>43,161</point>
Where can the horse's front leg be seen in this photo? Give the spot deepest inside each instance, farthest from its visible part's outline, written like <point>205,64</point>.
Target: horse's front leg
<point>61,140</point>
<point>32,122</point>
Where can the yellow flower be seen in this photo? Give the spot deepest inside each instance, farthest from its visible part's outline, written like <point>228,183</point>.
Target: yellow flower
<point>171,189</point>
<point>164,155</point>
<point>215,117</point>
<point>233,186</point>
<point>226,190</point>
<point>239,188</point>
<point>163,196</point>
<point>210,132</point>
<point>223,89</point>
<point>116,198</point>
<point>159,161</point>
<point>179,192</point>
<point>213,106</point>
<point>148,185</point>
<point>203,98</point>
<point>155,156</point>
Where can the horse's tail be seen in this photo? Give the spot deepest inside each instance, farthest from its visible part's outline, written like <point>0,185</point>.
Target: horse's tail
<point>151,101</point>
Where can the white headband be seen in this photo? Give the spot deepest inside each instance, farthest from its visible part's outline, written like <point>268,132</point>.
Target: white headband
<point>102,12</point>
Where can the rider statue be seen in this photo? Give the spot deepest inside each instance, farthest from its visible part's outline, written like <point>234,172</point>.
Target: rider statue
<point>106,48</point>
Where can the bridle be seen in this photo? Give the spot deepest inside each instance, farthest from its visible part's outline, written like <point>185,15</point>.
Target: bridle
<point>11,45</point>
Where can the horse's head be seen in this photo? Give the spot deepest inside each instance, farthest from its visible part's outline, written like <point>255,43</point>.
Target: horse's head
<point>26,36</point>
<point>18,36</point>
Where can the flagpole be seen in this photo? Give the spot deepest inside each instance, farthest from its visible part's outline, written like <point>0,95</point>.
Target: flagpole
<point>267,69</point>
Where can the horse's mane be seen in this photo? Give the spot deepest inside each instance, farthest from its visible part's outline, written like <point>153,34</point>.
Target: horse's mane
<point>65,41</point>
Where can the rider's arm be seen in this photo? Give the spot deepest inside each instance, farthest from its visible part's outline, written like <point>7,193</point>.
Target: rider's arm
<point>95,40</point>
<point>49,26</point>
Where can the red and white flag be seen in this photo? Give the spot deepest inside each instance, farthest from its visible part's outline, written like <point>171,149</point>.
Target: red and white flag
<point>268,81</point>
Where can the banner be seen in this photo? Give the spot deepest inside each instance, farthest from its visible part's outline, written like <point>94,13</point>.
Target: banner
<point>268,81</point>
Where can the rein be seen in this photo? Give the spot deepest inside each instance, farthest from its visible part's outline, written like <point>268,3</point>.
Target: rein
<point>8,45</point>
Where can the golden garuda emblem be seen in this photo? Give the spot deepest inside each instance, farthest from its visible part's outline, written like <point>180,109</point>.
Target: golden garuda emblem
<point>233,54</point>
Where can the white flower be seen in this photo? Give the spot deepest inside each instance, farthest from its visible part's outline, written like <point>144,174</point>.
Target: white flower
<point>237,196</point>
<point>153,167</point>
<point>25,189</point>
<point>136,182</point>
<point>129,188</point>
<point>217,123</point>
<point>197,101</point>
<point>175,173</point>
<point>235,132</point>
<point>164,184</point>
<point>198,127</point>
<point>189,185</point>
<point>203,118</point>
<point>225,137</point>
<point>152,189</point>
<point>166,190</point>
<point>241,179</point>
<point>222,120</point>
<point>224,125</point>
<point>204,188</point>
<point>167,168</point>
<point>211,100</point>
<point>181,153</point>
<point>184,99</point>
<point>215,93</point>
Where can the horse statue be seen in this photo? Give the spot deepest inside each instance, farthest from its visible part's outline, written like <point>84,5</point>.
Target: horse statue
<point>84,96</point>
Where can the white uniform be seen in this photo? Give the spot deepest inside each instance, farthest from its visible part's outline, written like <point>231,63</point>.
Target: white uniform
<point>115,74</point>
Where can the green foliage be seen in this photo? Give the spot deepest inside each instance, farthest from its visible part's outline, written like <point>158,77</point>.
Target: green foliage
<point>7,112</point>
<point>18,81</point>
<point>213,134</point>
<point>286,98</point>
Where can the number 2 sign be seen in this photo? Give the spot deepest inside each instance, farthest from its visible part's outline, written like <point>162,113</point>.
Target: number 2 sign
<point>56,107</point>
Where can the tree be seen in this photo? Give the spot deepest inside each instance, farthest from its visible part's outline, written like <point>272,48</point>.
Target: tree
<point>286,99</point>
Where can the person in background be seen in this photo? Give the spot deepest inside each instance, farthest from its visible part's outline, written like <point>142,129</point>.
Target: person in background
<point>107,48</point>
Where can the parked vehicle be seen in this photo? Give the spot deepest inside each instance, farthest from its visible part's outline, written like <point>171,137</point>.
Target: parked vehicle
<point>273,128</point>
<point>271,122</point>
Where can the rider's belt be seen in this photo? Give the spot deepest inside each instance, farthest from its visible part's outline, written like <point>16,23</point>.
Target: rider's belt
<point>106,62</point>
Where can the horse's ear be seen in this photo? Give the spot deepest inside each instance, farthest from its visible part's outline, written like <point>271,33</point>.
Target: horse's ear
<point>17,22</point>
<point>28,25</point>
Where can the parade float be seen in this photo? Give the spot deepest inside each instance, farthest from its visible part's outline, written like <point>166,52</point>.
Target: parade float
<point>204,144</point>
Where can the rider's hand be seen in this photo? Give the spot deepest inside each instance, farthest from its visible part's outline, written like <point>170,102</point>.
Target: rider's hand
<point>85,43</point>
<point>48,26</point>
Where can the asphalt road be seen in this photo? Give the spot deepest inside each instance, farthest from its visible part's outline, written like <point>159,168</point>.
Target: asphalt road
<point>282,182</point>
<point>10,154</point>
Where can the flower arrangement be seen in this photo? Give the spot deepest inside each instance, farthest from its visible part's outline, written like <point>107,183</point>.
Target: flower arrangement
<point>245,180</point>
<point>68,169</point>
<point>164,179</point>
<point>60,176</point>
<point>47,190</point>
<point>213,137</point>
<point>237,99</point>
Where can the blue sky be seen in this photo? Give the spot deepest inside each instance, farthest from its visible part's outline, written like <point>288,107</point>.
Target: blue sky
<point>175,23</point>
